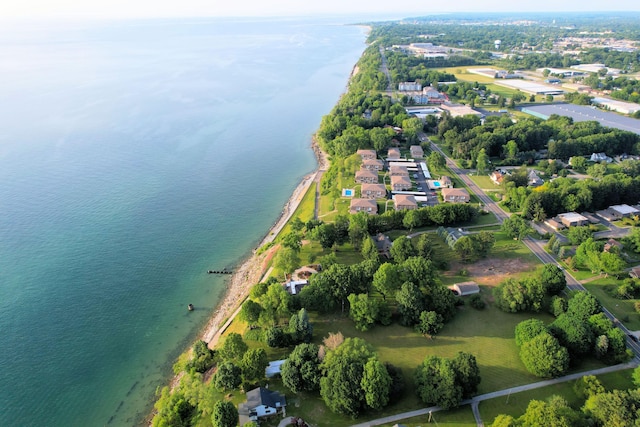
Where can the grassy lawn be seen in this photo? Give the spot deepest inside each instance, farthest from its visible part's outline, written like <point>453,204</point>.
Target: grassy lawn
<point>507,248</point>
<point>462,417</point>
<point>304,211</point>
<point>621,309</point>
<point>484,182</point>
<point>518,403</point>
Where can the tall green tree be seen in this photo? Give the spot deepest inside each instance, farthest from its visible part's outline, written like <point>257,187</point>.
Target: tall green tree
<point>224,414</point>
<point>467,373</point>
<point>401,249</point>
<point>387,279</point>
<point>300,327</point>
<point>436,384</point>
<point>553,279</point>
<point>376,383</point>
<point>227,377</point>
<point>233,347</point>
<point>544,357</point>
<point>254,362</point>
<point>364,311</point>
<point>301,370</point>
<point>482,162</point>
<point>430,323</point>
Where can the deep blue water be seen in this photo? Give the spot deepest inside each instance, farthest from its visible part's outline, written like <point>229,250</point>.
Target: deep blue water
<point>134,156</point>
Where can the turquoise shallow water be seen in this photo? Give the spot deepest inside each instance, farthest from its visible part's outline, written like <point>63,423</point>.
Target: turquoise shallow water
<point>134,156</point>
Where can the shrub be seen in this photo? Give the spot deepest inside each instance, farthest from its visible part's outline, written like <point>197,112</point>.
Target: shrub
<point>477,302</point>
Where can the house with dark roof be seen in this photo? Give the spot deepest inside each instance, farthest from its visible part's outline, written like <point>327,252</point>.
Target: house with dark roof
<point>261,403</point>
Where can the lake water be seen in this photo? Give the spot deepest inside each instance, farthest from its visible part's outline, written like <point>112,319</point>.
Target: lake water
<point>134,156</point>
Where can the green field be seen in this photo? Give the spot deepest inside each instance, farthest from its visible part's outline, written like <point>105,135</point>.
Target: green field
<point>622,309</point>
<point>484,182</point>
<point>516,404</point>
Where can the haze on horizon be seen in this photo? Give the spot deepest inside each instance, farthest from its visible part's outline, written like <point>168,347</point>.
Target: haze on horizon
<point>76,9</point>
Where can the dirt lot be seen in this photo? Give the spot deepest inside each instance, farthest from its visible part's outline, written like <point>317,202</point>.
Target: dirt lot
<point>492,271</point>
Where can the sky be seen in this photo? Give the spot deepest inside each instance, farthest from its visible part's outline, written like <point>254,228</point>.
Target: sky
<point>73,9</point>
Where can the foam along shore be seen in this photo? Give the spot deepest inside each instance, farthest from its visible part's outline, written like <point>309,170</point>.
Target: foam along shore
<point>254,268</point>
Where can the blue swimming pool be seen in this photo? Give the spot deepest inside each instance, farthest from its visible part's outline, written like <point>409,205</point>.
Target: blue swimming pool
<point>348,193</point>
<point>436,184</point>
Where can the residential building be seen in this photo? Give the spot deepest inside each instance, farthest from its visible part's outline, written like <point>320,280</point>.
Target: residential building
<point>273,368</point>
<point>455,195</point>
<point>496,177</point>
<point>635,272</point>
<point>366,177</point>
<point>600,157</point>
<point>554,224</point>
<point>573,219</point>
<point>625,210</point>
<point>609,215</point>
<point>383,244</point>
<point>400,183</point>
<point>612,243</point>
<point>372,164</point>
<point>416,151</point>
<point>393,153</point>
<point>295,286</point>
<point>445,182</point>
<point>465,288</point>
<point>533,179</point>
<point>367,154</point>
<point>398,170</point>
<point>409,86</point>
<point>404,202</point>
<point>369,206</point>
<point>373,191</point>
<point>261,403</point>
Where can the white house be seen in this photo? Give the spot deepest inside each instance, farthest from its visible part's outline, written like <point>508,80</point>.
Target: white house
<point>261,403</point>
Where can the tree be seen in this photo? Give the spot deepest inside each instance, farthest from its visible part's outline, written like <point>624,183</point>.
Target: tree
<point>467,372</point>
<point>573,333</point>
<point>301,370</point>
<point>250,312</point>
<point>528,330</point>
<point>482,162</point>
<point>275,304</point>
<point>612,263</point>
<point>224,414</point>
<point>418,270</point>
<point>358,228</point>
<point>636,376</point>
<point>411,303</point>
<point>544,357</point>
<point>436,161</point>
<point>233,347</point>
<point>325,234</point>
<point>553,279</point>
<point>465,248</point>
<point>588,386</point>
<point>516,227</point>
<point>435,381</point>
<point>300,328</point>
<point>254,362</point>
<point>401,249</point>
<point>510,150</point>
<point>202,357</point>
<point>293,241</point>
<point>483,242</point>
<point>554,413</point>
<point>387,279</point>
<point>369,250</point>
<point>579,164</point>
<point>287,260</point>
<point>412,219</point>
<point>227,377</point>
<point>424,246</point>
<point>364,311</point>
<point>577,235</point>
<point>275,337</point>
<point>597,170</point>
<point>430,323</point>
<point>616,408</point>
<point>376,384</point>
<point>583,305</point>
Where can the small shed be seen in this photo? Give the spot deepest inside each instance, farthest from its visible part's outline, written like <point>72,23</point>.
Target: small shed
<point>465,288</point>
<point>273,368</point>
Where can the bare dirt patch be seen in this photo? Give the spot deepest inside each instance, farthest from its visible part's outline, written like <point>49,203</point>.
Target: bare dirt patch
<point>492,271</point>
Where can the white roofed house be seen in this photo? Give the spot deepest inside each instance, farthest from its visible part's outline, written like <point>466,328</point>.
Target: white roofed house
<point>573,219</point>
<point>625,210</point>
<point>465,288</point>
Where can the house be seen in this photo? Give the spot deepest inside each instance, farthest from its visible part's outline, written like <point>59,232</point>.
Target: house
<point>383,244</point>
<point>609,215</point>
<point>366,177</point>
<point>416,151</point>
<point>261,403</point>
<point>393,153</point>
<point>592,219</point>
<point>409,86</point>
<point>432,96</point>
<point>554,224</point>
<point>404,202</point>
<point>572,219</point>
<point>612,243</point>
<point>363,205</point>
<point>635,272</point>
<point>496,177</point>
<point>450,235</point>
<point>600,157</point>
<point>533,179</point>
<point>398,170</point>
<point>455,195</point>
<point>445,182</point>
<point>372,164</point>
<point>465,288</point>
<point>400,183</point>
<point>373,191</point>
<point>295,286</point>
<point>625,211</point>
<point>367,154</point>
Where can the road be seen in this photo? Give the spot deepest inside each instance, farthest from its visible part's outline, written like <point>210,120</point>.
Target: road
<point>535,246</point>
